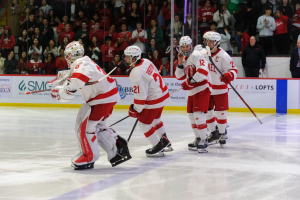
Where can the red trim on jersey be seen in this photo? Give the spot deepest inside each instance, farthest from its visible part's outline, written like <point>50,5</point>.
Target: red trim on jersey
<point>194,126</point>
<point>140,102</point>
<point>213,54</point>
<point>202,71</point>
<point>236,71</point>
<point>203,83</point>
<point>81,77</point>
<point>157,101</point>
<point>201,126</point>
<point>221,121</point>
<point>182,78</point>
<point>159,125</point>
<point>150,132</point>
<point>104,95</point>
<point>219,87</point>
<point>211,120</point>
<point>142,61</point>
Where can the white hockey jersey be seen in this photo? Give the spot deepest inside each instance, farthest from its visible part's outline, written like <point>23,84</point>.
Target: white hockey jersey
<point>225,64</point>
<point>196,67</point>
<point>150,90</point>
<point>85,70</point>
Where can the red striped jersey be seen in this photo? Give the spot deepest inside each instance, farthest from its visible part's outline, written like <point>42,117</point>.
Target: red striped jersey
<point>150,90</point>
<point>225,64</point>
<point>196,67</point>
<point>85,70</point>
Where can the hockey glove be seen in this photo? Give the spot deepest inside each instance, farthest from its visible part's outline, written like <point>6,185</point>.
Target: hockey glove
<point>227,77</point>
<point>188,84</point>
<point>55,94</point>
<point>132,112</point>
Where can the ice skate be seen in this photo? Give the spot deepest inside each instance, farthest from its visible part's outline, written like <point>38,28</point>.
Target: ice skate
<point>202,145</point>
<point>81,167</point>
<point>222,140</point>
<point>225,135</point>
<point>123,154</point>
<point>193,146</point>
<point>169,147</point>
<point>213,137</point>
<point>158,150</point>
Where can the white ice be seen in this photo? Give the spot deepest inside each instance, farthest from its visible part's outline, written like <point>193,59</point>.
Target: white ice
<point>259,162</point>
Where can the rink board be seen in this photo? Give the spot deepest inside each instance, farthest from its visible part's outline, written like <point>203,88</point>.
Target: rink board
<point>263,95</point>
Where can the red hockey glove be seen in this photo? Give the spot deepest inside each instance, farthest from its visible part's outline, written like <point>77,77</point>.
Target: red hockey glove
<point>55,94</point>
<point>227,77</point>
<point>187,85</point>
<point>132,112</point>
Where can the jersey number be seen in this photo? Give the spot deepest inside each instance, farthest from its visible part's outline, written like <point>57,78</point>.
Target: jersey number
<point>136,89</point>
<point>109,79</point>
<point>161,82</point>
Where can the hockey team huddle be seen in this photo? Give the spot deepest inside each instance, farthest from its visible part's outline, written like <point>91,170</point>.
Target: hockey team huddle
<point>207,92</point>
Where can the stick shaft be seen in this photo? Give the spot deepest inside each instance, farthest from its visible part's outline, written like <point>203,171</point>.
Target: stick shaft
<point>175,91</point>
<point>119,121</point>
<point>132,129</point>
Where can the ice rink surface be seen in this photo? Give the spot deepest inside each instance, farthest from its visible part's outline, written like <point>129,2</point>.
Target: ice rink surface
<point>259,162</point>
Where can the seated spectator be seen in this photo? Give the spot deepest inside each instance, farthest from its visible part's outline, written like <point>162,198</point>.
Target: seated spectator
<point>83,34</point>
<point>79,20</point>
<point>39,18</point>
<point>51,48</point>
<point>22,67</point>
<point>47,33</point>
<point>23,43</point>
<point>2,60</point>
<point>30,25</point>
<point>167,12</point>
<point>92,22</point>
<point>139,38</point>
<point>97,32</point>
<point>124,39</point>
<point>61,63</point>
<point>156,32</point>
<point>286,9</point>
<point>177,27</point>
<point>14,12</point>
<point>148,2</point>
<point>168,66</point>
<point>225,40</point>
<point>37,35</point>
<point>150,14</point>
<point>129,5</point>
<point>49,67</point>
<point>266,25</point>
<point>222,17</point>
<point>281,37</point>
<point>112,33</point>
<point>108,51</point>
<point>35,48</point>
<point>72,10</point>
<point>121,18</point>
<point>67,33</point>
<point>45,8</point>
<point>53,20</point>
<point>10,64</point>
<point>156,60</point>
<point>242,39</point>
<point>175,46</point>
<point>7,42</point>
<point>121,68</point>
<point>153,47</point>
<point>94,51</point>
<point>104,17</point>
<point>205,16</point>
<point>86,7</point>
<point>35,64</point>
<point>64,44</point>
<point>133,17</point>
<point>62,26</point>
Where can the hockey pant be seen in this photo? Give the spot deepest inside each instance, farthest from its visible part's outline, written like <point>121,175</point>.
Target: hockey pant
<point>198,123</point>
<point>220,119</point>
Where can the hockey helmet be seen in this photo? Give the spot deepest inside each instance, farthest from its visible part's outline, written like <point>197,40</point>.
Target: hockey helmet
<point>198,47</point>
<point>214,36</point>
<point>185,40</point>
<point>73,51</point>
<point>134,52</point>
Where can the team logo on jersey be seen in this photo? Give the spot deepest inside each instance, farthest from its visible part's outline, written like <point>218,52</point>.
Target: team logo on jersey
<point>121,90</point>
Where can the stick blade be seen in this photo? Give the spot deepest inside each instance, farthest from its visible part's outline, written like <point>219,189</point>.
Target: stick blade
<point>26,93</point>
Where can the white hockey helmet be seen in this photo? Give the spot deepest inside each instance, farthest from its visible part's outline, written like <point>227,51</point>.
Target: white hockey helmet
<point>198,47</point>
<point>73,51</point>
<point>186,40</point>
<point>214,36</point>
<point>134,52</point>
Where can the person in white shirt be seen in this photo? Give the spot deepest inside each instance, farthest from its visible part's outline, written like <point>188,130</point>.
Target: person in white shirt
<point>139,38</point>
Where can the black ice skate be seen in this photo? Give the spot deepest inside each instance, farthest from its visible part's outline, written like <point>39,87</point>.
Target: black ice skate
<point>158,150</point>
<point>225,135</point>
<point>193,146</point>
<point>169,147</point>
<point>213,137</point>
<point>81,167</point>
<point>122,152</point>
<point>222,140</point>
<point>201,147</point>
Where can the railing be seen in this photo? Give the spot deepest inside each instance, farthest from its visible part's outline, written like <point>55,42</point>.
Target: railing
<point>5,12</point>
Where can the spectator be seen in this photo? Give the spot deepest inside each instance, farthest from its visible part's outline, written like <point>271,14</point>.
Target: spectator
<point>7,42</point>
<point>61,63</point>
<point>296,22</point>
<point>63,45</point>
<point>86,7</point>
<point>167,12</point>
<point>233,5</point>
<point>121,19</point>
<point>47,33</point>
<point>150,14</point>
<point>58,8</point>
<point>68,33</point>
<point>92,22</point>
<point>177,27</point>
<point>52,19</point>
<point>225,40</point>
<point>139,38</point>
<point>124,39</point>
<point>79,20</point>
<point>148,4</point>
<point>240,18</point>
<point>14,12</point>
<point>168,51</point>
<point>295,61</point>
<point>213,27</point>
<point>10,64</point>
<point>121,68</point>
<point>2,31</point>
<point>30,25</point>
<point>281,37</point>
<point>35,64</point>
<point>253,58</point>
<point>2,60</point>
<point>129,4</point>
<point>117,5</point>
<point>156,60</point>
<point>156,32</point>
<point>51,48</point>
<point>94,51</point>
<point>168,66</point>
<point>37,35</point>
<point>23,43</point>
<point>205,16</point>
<point>187,30</point>
<point>108,51</point>
<point>133,17</point>
<point>45,8</point>
<point>72,10</point>
<point>96,32</point>
<point>222,17</point>
<point>105,16</point>
<point>61,27</point>
<point>153,47</point>
<point>286,9</point>
<point>24,18</point>
<point>242,39</point>
<point>32,6</point>
<point>35,48</point>
<point>112,33</point>
<point>39,19</point>
<point>251,17</point>
<point>22,67</point>
<point>266,25</point>
<point>49,67</point>
<point>83,34</point>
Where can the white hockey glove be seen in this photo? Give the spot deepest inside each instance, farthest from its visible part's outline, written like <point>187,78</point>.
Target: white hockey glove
<point>60,79</point>
<point>62,94</point>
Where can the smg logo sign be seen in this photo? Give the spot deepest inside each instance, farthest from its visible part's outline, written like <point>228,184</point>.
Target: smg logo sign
<point>33,85</point>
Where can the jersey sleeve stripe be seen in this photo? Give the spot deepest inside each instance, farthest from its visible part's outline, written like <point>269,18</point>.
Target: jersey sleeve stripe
<point>181,78</point>
<point>202,71</point>
<point>219,87</point>
<point>81,77</point>
<point>140,102</point>
<point>235,70</point>
<point>104,95</point>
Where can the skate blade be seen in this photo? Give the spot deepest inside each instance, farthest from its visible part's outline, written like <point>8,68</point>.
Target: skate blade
<point>126,158</point>
<point>159,154</point>
<point>202,151</point>
<point>193,148</point>
<point>168,149</point>
<point>82,167</point>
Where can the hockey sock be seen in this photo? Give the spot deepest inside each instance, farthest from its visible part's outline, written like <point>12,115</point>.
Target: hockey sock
<point>159,127</point>
<point>211,121</point>
<point>149,133</point>
<point>194,126</point>
<point>201,124</point>
<point>221,120</point>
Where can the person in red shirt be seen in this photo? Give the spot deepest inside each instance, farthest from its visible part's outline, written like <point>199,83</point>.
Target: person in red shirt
<point>245,38</point>
<point>112,33</point>
<point>167,12</point>
<point>205,16</point>
<point>156,60</point>
<point>35,66</point>
<point>92,22</point>
<point>67,33</point>
<point>61,63</point>
<point>97,32</point>
<point>281,37</point>
<point>49,65</point>
<point>61,27</point>
<point>124,39</point>
<point>121,68</point>
<point>105,16</point>
<point>7,41</point>
<point>108,51</point>
<point>168,66</point>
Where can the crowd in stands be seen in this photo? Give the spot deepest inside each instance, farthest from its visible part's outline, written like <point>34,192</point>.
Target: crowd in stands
<point>38,31</point>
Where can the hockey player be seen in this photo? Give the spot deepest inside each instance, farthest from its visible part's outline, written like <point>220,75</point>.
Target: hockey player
<point>150,96</point>
<point>192,67</point>
<point>219,95</point>
<point>100,99</point>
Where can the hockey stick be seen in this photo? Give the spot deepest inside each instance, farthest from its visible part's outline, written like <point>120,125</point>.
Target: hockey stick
<point>175,91</point>
<point>91,83</point>
<point>119,121</point>
<point>132,129</point>
<point>210,59</point>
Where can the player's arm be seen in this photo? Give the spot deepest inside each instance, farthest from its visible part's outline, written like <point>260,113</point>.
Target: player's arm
<point>81,75</point>
<point>201,69</point>
<point>229,68</point>
<point>180,73</point>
